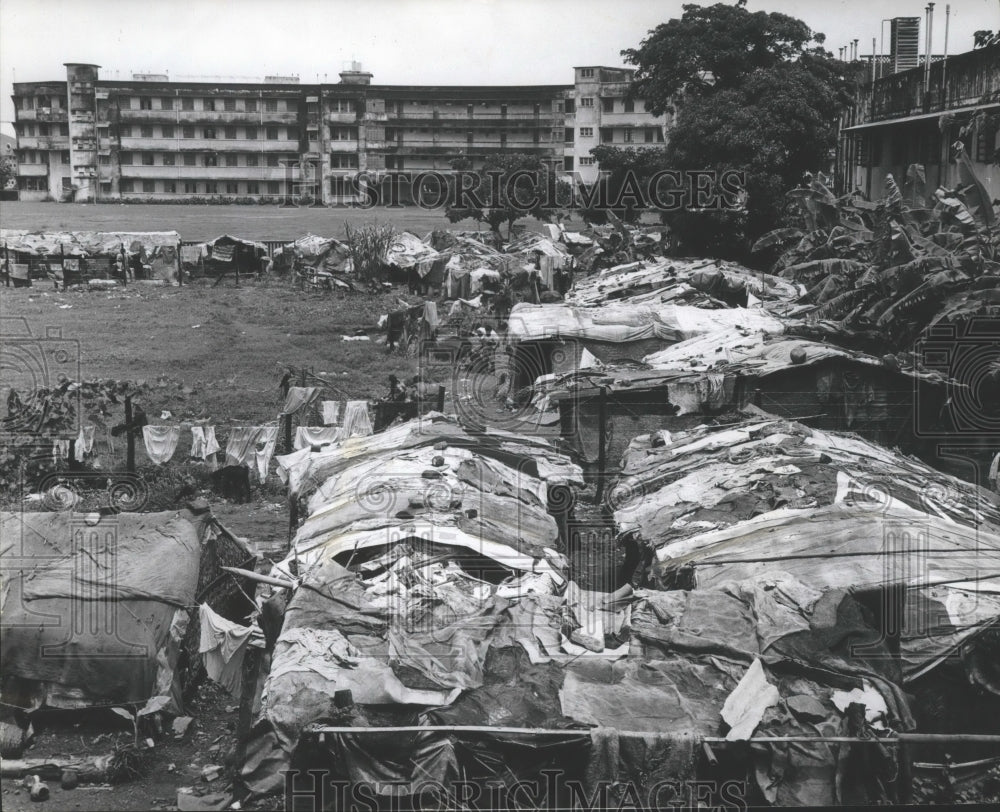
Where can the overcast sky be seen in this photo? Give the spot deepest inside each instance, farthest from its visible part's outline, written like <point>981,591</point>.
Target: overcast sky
<point>399,41</point>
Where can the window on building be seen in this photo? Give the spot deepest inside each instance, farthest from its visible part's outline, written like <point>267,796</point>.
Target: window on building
<point>586,161</point>
<point>43,129</point>
<point>105,187</point>
<point>273,187</point>
<point>170,187</point>
<point>650,134</point>
<point>568,163</point>
<point>607,105</point>
<point>629,105</point>
<point>125,131</point>
<point>270,105</point>
<point>586,132</point>
<point>189,159</point>
<point>124,103</point>
<point>208,104</point>
<point>145,103</point>
<point>149,186</point>
<point>232,188</point>
<point>166,103</point>
<point>342,106</point>
<point>250,105</point>
<point>212,187</point>
<point>168,159</point>
<point>607,135</point>
<point>627,136</point>
<point>253,188</point>
<point>29,129</point>
<point>503,140</point>
<point>230,133</point>
<point>42,101</point>
<point>568,135</point>
<point>312,135</point>
<point>231,160</point>
<point>211,159</point>
<point>125,158</point>
<point>251,133</point>
<point>126,186</point>
<point>167,131</point>
<point>146,131</point>
<point>272,160</point>
<point>187,131</point>
<point>104,160</point>
<point>191,188</point>
<point>253,160</point>
<point>587,73</point>
<point>271,133</point>
<point>229,105</point>
<point>187,104</point>
<point>64,129</point>
<point>67,184</point>
<point>658,135</point>
<point>209,132</point>
<point>291,134</point>
<point>65,156</point>
<point>147,159</point>
<point>586,101</point>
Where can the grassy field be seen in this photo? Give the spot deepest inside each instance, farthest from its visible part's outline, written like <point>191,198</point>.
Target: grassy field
<point>205,222</point>
<point>226,345</point>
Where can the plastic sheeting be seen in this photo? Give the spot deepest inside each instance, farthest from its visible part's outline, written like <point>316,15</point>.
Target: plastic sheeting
<point>67,579</point>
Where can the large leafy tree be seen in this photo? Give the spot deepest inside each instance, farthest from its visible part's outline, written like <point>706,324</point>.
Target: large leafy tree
<point>755,92</point>
<point>711,49</point>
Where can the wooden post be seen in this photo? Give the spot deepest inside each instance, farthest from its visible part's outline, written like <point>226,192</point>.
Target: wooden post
<point>288,434</point>
<point>129,437</point>
<point>62,263</point>
<point>180,267</point>
<point>602,439</point>
<point>440,400</point>
<point>904,790</point>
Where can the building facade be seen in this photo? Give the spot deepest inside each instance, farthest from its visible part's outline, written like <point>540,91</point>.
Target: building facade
<point>914,117</point>
<point>601,110</point>
<point>87,139</point>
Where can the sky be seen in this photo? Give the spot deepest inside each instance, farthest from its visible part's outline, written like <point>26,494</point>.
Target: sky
<point>400,41</point>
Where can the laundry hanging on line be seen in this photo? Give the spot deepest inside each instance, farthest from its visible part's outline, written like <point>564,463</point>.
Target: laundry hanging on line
<point>264,450</point>
<point>356,420</point>
<point>160,442</point>
<point>299,397</point>
<point>241,447</point>
<point>310,436</point>
<point>85,441</point>
<point>330,411</point>
<point>203,442</point>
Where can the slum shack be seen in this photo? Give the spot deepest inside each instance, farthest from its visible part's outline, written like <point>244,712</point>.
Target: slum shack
<point>226,255</point>
<point>77,257</point>
<point>820,384</point>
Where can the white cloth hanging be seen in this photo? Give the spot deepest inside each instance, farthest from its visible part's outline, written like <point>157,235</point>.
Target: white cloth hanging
<point>330,410</point>
<point>264,450</point>
<point>356,420</point>
<point>85,441</point>
<point>309,436</point>
<point>60,451</point>
<point>161,442</point>
<point>203,442</point>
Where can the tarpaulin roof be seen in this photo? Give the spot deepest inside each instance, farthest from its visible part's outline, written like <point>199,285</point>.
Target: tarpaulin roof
<point>666,279</point>
<point>90,243</point>
<point>228,239</point>
<point>629,322</point>
<point>408,250</point>
<point>764,496</point>
<point>134,573</point>
<point>311,246</point>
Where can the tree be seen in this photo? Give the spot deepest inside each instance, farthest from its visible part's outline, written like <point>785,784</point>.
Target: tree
<point>757,94</point>
<point>618,165</point>
<point>712,49</point>
<point>508,187</point>
<point>8,167</point>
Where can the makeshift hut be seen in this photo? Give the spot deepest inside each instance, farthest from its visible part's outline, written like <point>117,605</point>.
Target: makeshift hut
<point>823,385</point>
<point>77,257</point>
<point>97,609</point>
<point>228,254</point>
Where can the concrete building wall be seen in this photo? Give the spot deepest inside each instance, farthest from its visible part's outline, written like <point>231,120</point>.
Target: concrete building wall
<point>152,138</point>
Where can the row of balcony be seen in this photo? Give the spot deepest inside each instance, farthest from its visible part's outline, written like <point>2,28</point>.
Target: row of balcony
<point>207,145</point>
<point>211,172</point>
<point>205,116</point>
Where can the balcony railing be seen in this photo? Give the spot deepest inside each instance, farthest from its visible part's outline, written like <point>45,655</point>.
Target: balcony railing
<point>209,117</point>
<point>221,173</point>
<point>44,114</point>
<point>961,81</point>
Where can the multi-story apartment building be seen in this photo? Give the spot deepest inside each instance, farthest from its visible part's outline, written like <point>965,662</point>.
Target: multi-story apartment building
<point>601,110</point>
<point>915,115</point>
<point>88,139</point>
